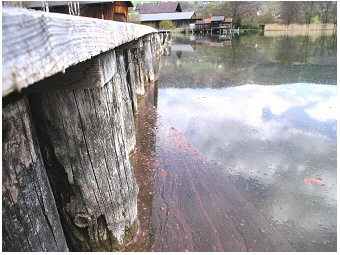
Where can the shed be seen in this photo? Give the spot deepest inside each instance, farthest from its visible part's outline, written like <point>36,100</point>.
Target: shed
<point>160,7</point>
<point>216,21</point>
<point>108,10</point>
<point>202,25</point>
<point>181,19</point>
<point>227,23</point>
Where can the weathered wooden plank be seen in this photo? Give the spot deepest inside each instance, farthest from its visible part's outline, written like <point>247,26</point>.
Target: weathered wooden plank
<point>29,214</point>
<point>36,45</point>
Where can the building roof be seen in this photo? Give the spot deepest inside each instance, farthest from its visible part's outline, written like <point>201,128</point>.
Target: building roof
<point>200,21</point>
<point>160,7</point>
<point>138,6</point>
<point>38,4</point>
<point>167,16</point>
<point>230,20</point>
<point>217,18</point>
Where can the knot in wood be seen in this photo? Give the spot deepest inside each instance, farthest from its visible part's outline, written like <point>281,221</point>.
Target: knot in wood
<point>81,220</point>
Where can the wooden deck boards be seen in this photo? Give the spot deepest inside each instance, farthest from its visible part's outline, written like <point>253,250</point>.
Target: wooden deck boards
<point>36,44</point>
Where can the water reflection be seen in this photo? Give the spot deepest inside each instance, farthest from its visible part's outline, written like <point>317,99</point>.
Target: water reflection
<point>266,138</point>
<point>251,59</point>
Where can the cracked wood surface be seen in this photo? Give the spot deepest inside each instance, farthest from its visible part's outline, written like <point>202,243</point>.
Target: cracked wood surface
<point>30,221</point>
<point>83,132</point>
<point>36,45</point>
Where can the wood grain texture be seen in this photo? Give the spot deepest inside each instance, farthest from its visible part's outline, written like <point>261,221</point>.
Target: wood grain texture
<point>83,138</point>
<point>36,45</point>
<point>131,78</point>
<point>92,73</point>
<point>127,108</point>
<point>30,221</point>
<point>149,74</point>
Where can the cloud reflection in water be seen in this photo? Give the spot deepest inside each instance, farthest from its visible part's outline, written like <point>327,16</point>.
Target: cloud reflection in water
<point>267,139</point>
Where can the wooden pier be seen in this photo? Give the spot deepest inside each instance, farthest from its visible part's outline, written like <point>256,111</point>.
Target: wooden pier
<point>70,89</point>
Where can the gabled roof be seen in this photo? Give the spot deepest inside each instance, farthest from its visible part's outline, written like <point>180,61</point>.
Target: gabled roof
<point>160,7</point>
<point>138,6</point>
<point>167,16</point>
<point>230,20</point>
<point>38,4</point>
<point>217,18</point>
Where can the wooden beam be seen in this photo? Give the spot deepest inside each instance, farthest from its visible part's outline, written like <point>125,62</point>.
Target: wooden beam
<point>36,45</point>
<point>92,73</point>
<point>132,45</point>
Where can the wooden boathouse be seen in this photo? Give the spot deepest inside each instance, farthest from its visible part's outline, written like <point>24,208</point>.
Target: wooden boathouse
<point>108,10</point>
<point>69,90</point>
<point>214,25</point>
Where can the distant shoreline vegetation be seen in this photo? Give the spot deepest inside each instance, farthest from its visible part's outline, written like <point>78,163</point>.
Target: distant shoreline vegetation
<point>299,27</point>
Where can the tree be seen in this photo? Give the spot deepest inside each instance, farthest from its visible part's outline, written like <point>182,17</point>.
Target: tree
<point>135,18</point>
<point>273,7</point>
<point>239,10</point>
<point>327,11</point>
<point>308,9</point>
<point>21,4</point>
<point>166,25</point>
<point>184,5</point>
<point>209,10</point>
<point>266,18</point>
<point>290,11</point>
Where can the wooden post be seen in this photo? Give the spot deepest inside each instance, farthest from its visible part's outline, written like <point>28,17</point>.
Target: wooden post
<point>82,136</point>
<point>131,78</point>
<point>127,108</point>
<point>147,59</point>
<point>30,221</point>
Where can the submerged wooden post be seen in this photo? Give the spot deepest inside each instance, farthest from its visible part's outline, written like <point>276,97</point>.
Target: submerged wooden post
<point>147,59</point>
<point>82,134</point>
<point>30,221</point>
<point>127,104</point>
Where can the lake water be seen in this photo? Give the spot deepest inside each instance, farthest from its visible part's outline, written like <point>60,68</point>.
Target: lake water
<point>263,110</point>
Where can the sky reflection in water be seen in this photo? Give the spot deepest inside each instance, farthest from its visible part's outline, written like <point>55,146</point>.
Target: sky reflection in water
<point>268,139</point>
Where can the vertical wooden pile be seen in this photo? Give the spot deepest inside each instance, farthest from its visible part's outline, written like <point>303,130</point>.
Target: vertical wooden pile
<point>30,221</point>
<point>67,179</point>
<point>88,134</point>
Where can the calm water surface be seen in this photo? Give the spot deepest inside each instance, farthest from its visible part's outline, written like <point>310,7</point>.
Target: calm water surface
<point>263,108</point>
